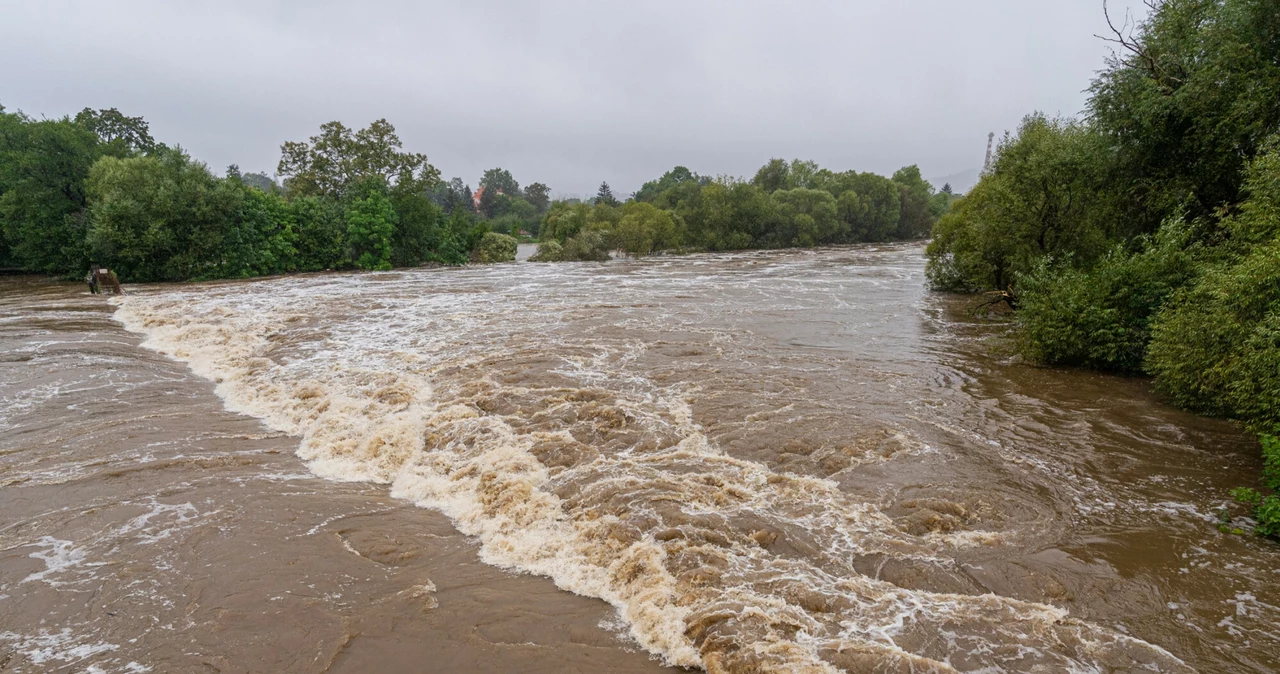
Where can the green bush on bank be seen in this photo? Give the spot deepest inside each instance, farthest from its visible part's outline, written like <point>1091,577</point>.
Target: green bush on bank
<point>1146,236</point>
<point>1101,318</point>
<point>1266,507</point>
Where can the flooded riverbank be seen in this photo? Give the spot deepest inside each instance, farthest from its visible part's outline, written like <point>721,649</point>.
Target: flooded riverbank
<point>791,460</point>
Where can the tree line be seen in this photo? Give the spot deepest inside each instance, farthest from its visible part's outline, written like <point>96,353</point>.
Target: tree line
<point>97,188</point>
<point>786,204</point>
<point>1145,236</point>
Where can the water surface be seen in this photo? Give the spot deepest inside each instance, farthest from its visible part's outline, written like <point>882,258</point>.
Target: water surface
<point>786,461</point>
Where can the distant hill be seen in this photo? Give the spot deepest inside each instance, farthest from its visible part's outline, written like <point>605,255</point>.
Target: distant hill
<point>960,182</point>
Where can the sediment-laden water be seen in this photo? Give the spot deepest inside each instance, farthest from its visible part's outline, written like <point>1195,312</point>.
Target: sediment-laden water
<point>769,461</point>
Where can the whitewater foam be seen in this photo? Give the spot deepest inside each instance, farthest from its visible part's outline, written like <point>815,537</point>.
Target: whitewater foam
<point>565,458</point>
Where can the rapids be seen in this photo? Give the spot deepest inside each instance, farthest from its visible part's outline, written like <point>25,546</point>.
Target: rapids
<point>791,461</point>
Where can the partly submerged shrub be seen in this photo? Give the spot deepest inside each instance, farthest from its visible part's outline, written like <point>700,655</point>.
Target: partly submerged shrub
<point>1101,317</point>
<point>548,251</point>
<point>1266,507</point>
<point>587,246</point>
<point>495,247</point>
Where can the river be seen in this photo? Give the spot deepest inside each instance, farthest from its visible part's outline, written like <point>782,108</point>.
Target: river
<point>791,460</point>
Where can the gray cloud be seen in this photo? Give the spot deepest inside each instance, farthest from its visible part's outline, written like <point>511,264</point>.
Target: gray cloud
<point>567,93</point>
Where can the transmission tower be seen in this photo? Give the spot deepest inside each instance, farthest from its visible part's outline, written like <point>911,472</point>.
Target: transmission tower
<point>986,165</point>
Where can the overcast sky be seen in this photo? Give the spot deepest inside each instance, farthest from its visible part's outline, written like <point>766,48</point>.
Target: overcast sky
<point>566,93</point>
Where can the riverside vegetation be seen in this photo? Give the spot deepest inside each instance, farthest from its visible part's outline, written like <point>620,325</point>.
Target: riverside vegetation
<point>98,188</point>
<point>1144,238</point>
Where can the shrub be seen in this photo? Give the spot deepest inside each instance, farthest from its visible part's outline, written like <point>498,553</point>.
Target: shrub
<point>494,247</point>
<point>548,251</point>
<point>588,246</point>
<point>1266,508</point>
<point>1101,318</point>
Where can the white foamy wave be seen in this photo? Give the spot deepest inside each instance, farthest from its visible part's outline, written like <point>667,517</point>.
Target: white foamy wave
<point>564,457</point>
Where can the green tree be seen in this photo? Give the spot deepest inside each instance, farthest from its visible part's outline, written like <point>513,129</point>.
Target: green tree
<point>1046,194</point>
<point>121,134</point>
<point>321,227</point>
<point>418,232</point>
<point>453,195</point>
<point>605,195</point>
<point>159,218</point>
<point>371,227</point>
<point>807,217</point>
<point>1216,346</point>
<point>43,201</point>
<point>500,181</point>
<point>1189,98</point>
<point>338,158</point>
<point>915,194</point>
<point>564,220</point>
<point>773,176</point>
<point>539,195</point>
<point>259,238</point>
<point>644,228</point>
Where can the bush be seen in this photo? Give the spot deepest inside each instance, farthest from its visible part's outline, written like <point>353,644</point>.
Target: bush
<point>1266,508</point>
<point>1046,195</point>
<point>548,251</point>
<point>494,247</point>
<point>1216,348</point>
<point>1101,318</point>
<point>588,246</point>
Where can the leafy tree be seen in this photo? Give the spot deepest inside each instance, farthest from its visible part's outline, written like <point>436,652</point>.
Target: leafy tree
<point>43,202</point>
<point>453,195</point>
<point>564,220</point>
<point>539,195</point>
<point>1216,346</point>
<point>259,237</point>
<point>548,251</point>
<point>773,176</point>
<point>807,218</point>
<point>644,228</point>
<point>672,181</point>
<point>917,218</point>
<point>1046,194</point>
<point>371,227</point>
<point>514,206</point>
<point>499,181</point>
<point>418,234</point>
<point>804,174</point>
<point>162,217</point>
<point>338,158</point>
<point>1186,102</point>
<point>321,228</point>
<point>121,134</point>
<point>730,215</point>
<point>260,181</point>
<point>605,195</point>
<point>1101,318</point>
<point>588,246</point>
<point>875,213</point>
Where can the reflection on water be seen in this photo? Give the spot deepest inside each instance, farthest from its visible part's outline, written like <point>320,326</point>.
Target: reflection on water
<point>787,461</point>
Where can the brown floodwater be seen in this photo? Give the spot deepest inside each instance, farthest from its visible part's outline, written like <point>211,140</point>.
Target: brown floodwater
<point>795,461</point>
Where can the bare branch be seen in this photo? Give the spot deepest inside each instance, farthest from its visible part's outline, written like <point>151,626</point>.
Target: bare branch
<point>1123,37</point>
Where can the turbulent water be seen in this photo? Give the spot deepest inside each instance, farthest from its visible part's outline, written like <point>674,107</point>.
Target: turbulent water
<point>790,461</point>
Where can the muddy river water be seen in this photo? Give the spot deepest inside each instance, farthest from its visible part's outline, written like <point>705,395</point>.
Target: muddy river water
<point>797,461</point>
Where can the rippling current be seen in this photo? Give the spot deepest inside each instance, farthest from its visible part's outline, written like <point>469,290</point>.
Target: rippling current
<point>794,461</point>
